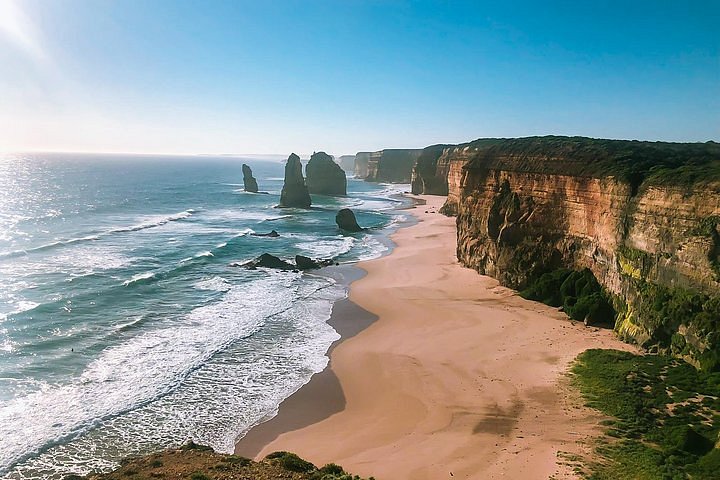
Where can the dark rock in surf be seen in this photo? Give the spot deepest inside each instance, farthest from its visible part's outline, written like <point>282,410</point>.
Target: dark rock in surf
<point>294,192</point>
<point>267,261</point>
<point>307,263</point>
<point>345,219</point>
<point>248,180</point>
<point>272,233</point>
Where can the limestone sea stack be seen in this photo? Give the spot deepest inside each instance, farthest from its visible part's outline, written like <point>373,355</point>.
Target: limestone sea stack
<point>324,176</point>
<point>248,179</point>
<point>345,219</point>
<point>294,192</point>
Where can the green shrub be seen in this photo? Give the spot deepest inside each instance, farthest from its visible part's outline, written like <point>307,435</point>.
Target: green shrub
<point>199,476</point>
<point>578,292</point>
<point>290,461</point>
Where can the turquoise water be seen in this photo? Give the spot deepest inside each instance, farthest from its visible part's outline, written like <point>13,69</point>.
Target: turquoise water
<point>124,329</point>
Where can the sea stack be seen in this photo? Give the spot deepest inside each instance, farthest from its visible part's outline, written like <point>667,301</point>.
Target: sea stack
<point>248,179</point>
<point>324,176</point>
<point>345,219</point>
<point>294,192</point>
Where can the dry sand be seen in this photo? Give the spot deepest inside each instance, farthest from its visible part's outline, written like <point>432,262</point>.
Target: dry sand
<point>459,377</point>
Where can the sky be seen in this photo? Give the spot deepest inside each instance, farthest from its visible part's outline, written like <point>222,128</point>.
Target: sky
<point>211,76</point>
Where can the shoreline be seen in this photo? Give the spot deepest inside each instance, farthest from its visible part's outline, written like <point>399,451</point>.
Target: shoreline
<point>322,396</point>
<point>482,393</point>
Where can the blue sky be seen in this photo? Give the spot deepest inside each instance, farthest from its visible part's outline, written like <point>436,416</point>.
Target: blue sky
<point>342,76</point>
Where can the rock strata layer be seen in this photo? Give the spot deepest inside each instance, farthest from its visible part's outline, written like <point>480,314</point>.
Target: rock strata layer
<point>294,192</point>
<point>324,176</point>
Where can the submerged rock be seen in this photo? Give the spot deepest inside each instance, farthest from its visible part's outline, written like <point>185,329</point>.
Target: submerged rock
<point>324,176</point>
<point>294,192</point>
<point>271,233</point>
<point>248,179</point>
<point>345,219</point>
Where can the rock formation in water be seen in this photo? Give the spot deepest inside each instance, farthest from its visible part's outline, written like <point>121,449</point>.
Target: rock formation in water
<point>324,176</point>
<point>248,179</point>
<point>642,217</point>
<point>267,260</point>
<point>361,164</point>
<point>294,192</point>
<point>345,219</point>
<point>391,165</point>
<point>271,233</point>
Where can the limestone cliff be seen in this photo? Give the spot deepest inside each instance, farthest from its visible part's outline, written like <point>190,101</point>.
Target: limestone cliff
<point>643,217</point>
<point>391,165</point>
<point>347,163</point>
<point>361,164</point>
<point>294,192</point>
<point>324,176</point>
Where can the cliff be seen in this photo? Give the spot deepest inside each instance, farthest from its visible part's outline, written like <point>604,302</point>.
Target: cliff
<point>294,192</point>
<point>642,217</point>
<point>361,164</point>
<point>347,163</point>
<point>324,176</point>
<point>430,172</point>
<point>391,165</point>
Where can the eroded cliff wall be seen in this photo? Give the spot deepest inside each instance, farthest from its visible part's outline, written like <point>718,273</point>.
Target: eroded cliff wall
<point>643,217</point>
<point>391,165</point>
<point>361,164</point>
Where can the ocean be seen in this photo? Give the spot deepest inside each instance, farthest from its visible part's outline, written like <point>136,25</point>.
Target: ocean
<point>123,327</point>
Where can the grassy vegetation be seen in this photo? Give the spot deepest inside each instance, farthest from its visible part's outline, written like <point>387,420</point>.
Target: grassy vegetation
<point>666,416</point>
<point>633,161</point>
<point>578,292</point>
<point>198,462</point>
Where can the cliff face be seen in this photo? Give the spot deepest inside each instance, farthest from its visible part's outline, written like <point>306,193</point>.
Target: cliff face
<point>324,176</point>
<point>391,165</point>
<point>347,162</point>
<point>642,217</point>
<point>361,164</point>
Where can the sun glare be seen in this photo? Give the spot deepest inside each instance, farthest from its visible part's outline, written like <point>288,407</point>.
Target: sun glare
<point>17,29</point>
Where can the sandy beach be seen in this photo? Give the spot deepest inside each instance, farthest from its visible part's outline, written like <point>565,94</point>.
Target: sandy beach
<point>458,377</point>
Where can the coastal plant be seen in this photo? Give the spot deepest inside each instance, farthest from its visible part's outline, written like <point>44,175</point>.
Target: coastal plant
<point>578,292</point>
<point>666,415</point>
<point>290,461</point>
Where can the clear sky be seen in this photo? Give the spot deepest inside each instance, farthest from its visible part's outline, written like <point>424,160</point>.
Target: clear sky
<point>273,76</point>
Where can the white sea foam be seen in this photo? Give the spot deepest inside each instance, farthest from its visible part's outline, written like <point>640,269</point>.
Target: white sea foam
<point>147,222</point>
<point>216,283</point>
<point>140,277</point>
<point>200,376</point>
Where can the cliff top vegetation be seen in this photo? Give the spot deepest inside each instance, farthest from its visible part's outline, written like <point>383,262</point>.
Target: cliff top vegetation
<point>630,160</point>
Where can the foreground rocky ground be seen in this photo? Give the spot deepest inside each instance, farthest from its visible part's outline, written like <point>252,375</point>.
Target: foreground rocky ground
<point>196,462</point>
